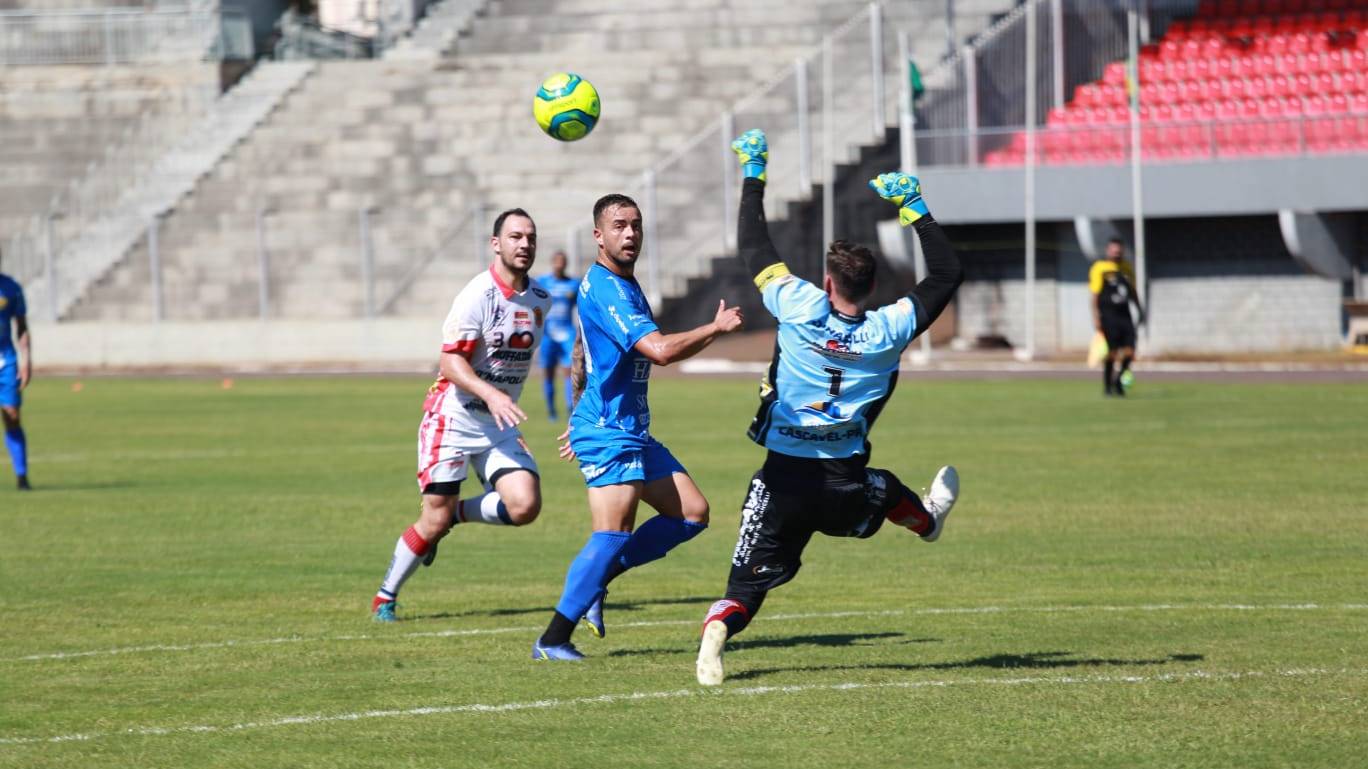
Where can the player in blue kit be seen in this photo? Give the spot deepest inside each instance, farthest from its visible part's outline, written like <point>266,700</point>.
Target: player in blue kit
<point>16,369</point>
<point>834,369</point>
<point>609,430</point>
<point>558,339</point>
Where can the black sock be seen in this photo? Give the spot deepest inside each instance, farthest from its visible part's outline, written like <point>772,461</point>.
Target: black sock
<point>1125,364</point>
<point>1107,369</point>
<point>559,631</point>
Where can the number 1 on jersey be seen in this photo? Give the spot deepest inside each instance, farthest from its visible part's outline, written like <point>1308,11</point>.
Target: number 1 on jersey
<point>835,386</point>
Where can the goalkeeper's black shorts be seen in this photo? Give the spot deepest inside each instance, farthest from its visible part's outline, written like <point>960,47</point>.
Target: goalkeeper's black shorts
<point>792,498</point>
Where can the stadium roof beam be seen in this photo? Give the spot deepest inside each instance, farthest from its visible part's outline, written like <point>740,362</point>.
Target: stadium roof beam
<point>1223,188</point>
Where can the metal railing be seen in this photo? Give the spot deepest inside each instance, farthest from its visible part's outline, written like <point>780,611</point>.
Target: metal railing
<point>109,35</point>
<point>1175,141</point>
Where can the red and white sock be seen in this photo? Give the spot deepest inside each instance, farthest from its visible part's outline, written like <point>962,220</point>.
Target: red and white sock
<point>408,553</point>
<point>910,514</point>
<point>731,613</point>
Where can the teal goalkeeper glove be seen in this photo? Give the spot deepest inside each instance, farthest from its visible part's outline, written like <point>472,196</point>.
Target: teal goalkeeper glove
<point>904,190</point>
<point>752,149</point>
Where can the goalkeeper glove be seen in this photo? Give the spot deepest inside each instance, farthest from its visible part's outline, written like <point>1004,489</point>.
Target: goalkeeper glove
<point>752,150</point>
<point>904,190</point>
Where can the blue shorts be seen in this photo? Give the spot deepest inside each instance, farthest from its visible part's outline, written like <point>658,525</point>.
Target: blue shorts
<point>9,383</point>
<point>557,352</point>
<point>608,457</point>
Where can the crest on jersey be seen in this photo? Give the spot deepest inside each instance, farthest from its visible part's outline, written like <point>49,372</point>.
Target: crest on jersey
<point>537,316</point>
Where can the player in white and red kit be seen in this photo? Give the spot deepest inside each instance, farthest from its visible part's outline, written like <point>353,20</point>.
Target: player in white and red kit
<point>471,414</point>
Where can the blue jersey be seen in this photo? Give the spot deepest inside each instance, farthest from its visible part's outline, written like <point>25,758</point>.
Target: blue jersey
<point>560,320</point>
<point>831,373</point>
<point>11,306</point>
<point>614,316</point>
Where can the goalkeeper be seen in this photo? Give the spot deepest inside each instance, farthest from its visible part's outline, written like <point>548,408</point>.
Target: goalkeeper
<point>834,368</point>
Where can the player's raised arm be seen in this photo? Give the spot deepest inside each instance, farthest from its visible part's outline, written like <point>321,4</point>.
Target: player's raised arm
<point>753,242</point>
<point>664,349</point>
<point>944,274</point>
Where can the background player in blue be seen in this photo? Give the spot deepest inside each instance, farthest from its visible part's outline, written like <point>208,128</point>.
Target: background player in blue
<point>16,369</point>
<point>610,428</point>
<point>558,338</point>
<point>834,368</point>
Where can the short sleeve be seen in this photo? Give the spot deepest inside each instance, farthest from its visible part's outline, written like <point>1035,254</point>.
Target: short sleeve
<point>790,299</point>
<point>1095,277</point>
<point>464,325</point>
<point>899,320</point>
<point>624,314</point>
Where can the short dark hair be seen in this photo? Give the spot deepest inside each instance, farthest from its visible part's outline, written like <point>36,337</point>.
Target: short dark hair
<point>852,268</point>
<point>1117,241</point>
<point>613,199</point>
<point>499,220</point>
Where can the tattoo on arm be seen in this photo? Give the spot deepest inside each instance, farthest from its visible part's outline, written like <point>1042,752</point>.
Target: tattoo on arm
<point>577,375</point>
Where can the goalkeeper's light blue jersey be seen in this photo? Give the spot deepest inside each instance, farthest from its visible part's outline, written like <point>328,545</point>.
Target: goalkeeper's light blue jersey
<point>831,373</point>
<point>614,316</point>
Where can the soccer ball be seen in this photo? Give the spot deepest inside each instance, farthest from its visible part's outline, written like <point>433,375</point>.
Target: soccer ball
<point>566,107</point>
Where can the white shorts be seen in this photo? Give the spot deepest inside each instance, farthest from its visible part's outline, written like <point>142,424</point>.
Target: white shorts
<point>445,455</point>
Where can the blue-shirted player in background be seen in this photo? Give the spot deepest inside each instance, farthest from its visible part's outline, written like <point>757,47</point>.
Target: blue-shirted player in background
<point>16,369</point>
<point>609,430</point>
<point>834,368</point>
<point>558,337</point>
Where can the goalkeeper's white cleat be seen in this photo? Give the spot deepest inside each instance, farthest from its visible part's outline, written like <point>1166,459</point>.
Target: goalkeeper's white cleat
<point>710,671</point>
<point>940,499</point>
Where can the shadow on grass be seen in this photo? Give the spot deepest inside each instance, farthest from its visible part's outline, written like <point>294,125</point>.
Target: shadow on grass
<point>824,639</point>
<point>609,608</point>
<point>1026,661</point>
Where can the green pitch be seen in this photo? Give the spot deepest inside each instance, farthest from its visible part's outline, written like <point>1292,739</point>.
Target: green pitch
<point>1177,580</point>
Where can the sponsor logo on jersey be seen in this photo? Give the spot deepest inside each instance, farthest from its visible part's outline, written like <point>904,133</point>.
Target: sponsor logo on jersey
<point>835,348</point>
<point>830,408</point>
<point>617,318</point>
<point>4,302</point>
<point>539,293</point>
<point>511,355</point>
<point>520,340</point>
<point>765,569</point>
<point>821,434</point>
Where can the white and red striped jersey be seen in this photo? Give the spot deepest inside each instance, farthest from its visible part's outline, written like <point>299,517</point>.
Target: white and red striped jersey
<point>497,329</point>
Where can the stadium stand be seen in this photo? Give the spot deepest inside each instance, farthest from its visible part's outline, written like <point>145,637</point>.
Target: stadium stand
<point>424,142</point>
<point>1255,78</point>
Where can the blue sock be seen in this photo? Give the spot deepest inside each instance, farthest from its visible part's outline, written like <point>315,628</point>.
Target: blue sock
<point>569,397</point>
<point>549,390</point>
<point>656,537</point>
<point>588,571</point>
<point>18,450</point>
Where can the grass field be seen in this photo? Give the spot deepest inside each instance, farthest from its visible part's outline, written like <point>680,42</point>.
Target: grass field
<point>1178,580</point>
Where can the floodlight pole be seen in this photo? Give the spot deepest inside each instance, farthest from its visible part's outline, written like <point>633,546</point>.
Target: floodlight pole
<point>907,140</point>
<point>263,265</point>
<point>1031,39</point>
<point>1137,188</point>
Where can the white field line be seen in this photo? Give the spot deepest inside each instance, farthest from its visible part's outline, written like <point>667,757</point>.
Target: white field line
<point>169,455</point>
<point>663,623</point>
<point>608,699</point>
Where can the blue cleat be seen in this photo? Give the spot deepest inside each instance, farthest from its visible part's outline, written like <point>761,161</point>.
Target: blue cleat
<point>565,652</point>
<point>752,149</point>
<point>594,616</point>
<point>384,611</point>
